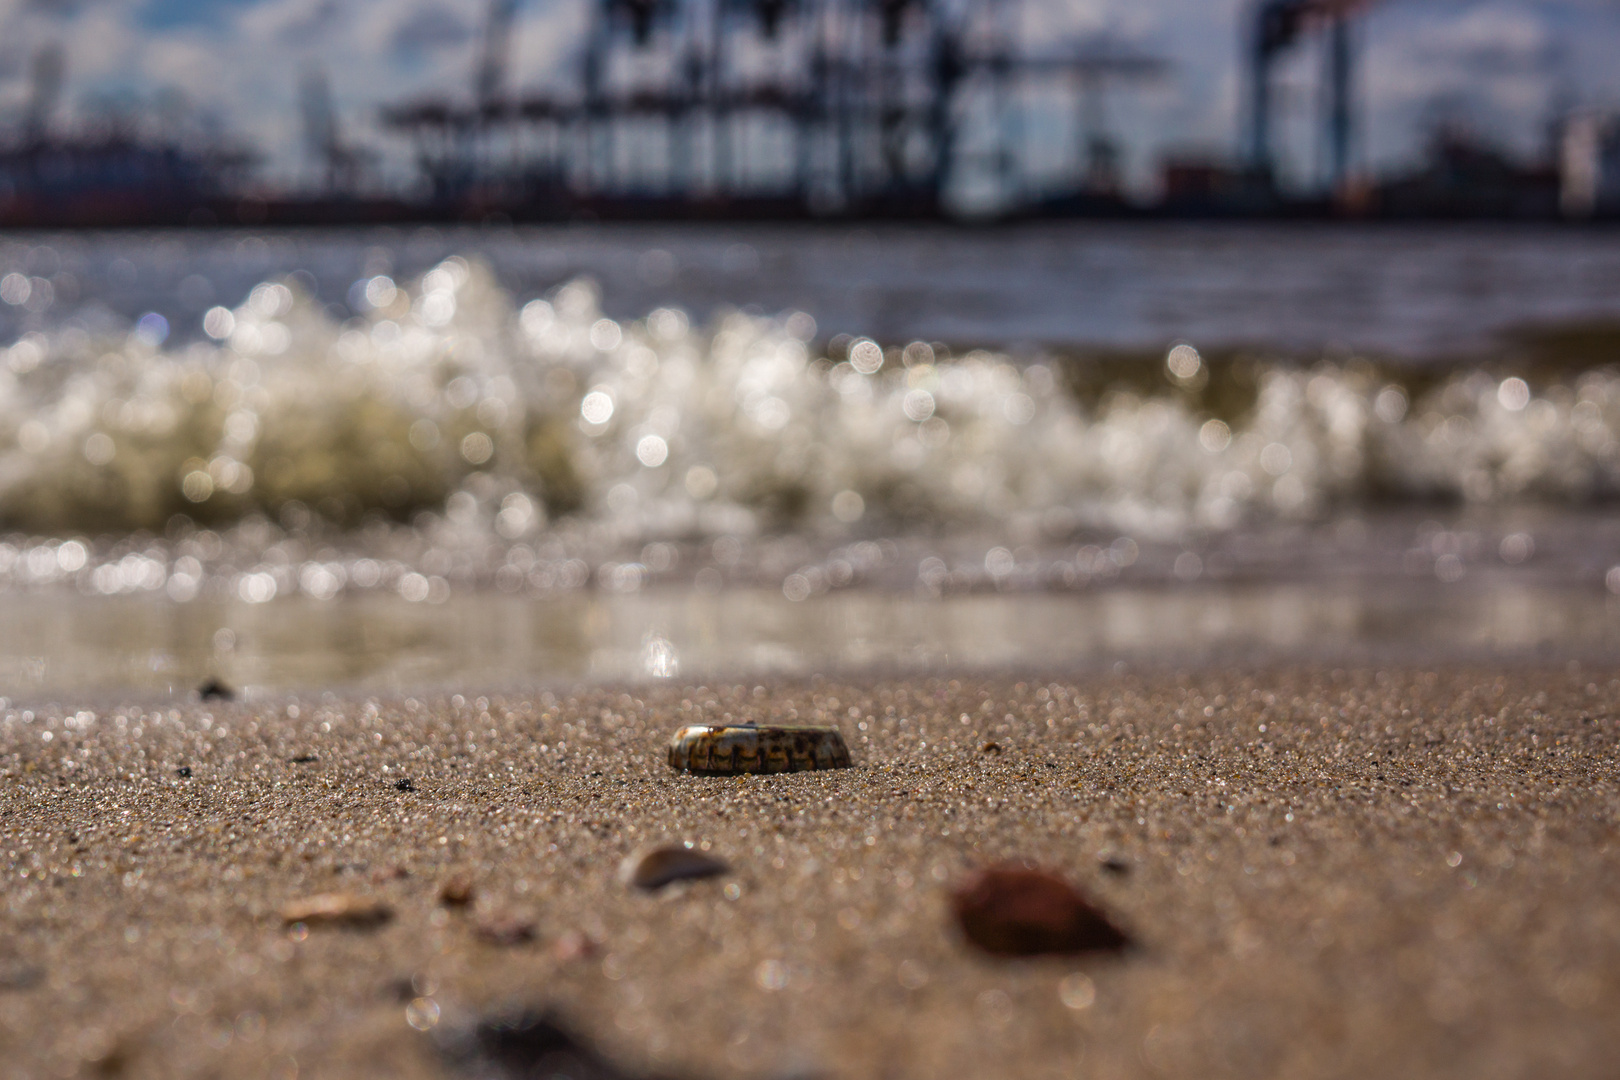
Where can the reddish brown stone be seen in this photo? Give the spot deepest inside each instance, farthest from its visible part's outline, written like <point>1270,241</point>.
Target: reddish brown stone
<point>458,891</point>
<point>575,945</point>
<point>1012,910</point>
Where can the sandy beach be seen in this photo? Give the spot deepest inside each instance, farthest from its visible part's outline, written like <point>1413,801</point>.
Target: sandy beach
<point>1326,874</point>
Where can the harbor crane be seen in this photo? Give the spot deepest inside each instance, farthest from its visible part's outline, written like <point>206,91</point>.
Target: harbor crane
<point>769,106</point>
<point>1278,25</point>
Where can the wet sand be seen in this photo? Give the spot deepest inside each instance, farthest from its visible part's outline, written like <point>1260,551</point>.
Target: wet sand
<point>1328,873</point>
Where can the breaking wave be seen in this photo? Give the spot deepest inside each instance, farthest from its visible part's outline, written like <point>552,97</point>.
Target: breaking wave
<point>450,436</point>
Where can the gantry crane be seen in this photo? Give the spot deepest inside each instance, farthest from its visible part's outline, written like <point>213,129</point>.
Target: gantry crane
<point>342,163</point>
<point>859,105</point>
<point>1278,25</point>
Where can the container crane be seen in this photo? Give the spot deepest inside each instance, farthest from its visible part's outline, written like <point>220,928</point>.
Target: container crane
<point>45,74</point>
<point>760,106</point>
<point>1093,66</point>
<point>1278,25</point>
<point>343,164</point>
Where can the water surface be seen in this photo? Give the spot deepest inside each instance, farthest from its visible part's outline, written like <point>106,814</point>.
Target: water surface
<point>389,457</point>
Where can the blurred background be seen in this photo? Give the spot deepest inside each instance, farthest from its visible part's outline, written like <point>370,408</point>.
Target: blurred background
<point>385,343</point>
<point>298,111</point>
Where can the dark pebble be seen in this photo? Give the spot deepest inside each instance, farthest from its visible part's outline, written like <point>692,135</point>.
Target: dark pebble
<point>183,772</point>
<point>1016,911</point>
<point>303,759</point>
<point>404,785</point>
<point>215,690</point>
<point>1115,865</point>
<point>15,975</point>
<point>990,748</point>
<point>525,1044</point>
<point>656,867</point>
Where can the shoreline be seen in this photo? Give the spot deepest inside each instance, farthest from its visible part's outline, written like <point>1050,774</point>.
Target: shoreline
<point>62,648</point>
<point>1408,871</point>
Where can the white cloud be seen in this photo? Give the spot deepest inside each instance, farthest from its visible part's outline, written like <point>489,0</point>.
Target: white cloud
<point>1497,67</point>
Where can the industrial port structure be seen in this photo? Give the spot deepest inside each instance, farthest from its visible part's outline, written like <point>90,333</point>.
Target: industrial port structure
<point>819,107</point>
<point>1277,27</point>
<point>799,108</point>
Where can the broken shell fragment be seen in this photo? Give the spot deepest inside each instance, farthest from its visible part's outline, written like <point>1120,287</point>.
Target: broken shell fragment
<point>654,868</point>
<point>337,909</point>
<point>728,749</point>
<point>1016,911</point>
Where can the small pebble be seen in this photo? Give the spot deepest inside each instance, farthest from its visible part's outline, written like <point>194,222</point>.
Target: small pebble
<point>108,1061</point>
<point>16,975</point>
<point>990,748</point>
<point>1115,864</point>
<point>337,909</point>
<point>458,891</point>
<point>214,689</point>
<point>404,785</point>
<point>504,929</point>
<point>303,759</point>
<point>401,990</point>
<point>653,868</point>
<point>1012,910</point>
<point>524,1043</point>
<point>183,772</point>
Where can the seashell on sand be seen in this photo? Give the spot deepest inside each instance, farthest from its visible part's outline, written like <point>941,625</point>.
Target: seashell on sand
<point>729,749</point>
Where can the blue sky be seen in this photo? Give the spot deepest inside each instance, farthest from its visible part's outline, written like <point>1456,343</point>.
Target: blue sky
<point>159,15</point>
<point>1505,66</point>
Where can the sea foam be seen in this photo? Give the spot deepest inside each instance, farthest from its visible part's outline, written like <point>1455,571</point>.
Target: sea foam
<point>451,435</point>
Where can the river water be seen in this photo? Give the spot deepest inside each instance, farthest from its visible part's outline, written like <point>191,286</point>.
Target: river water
<point>1412,291</point>
<point>401,458</point>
